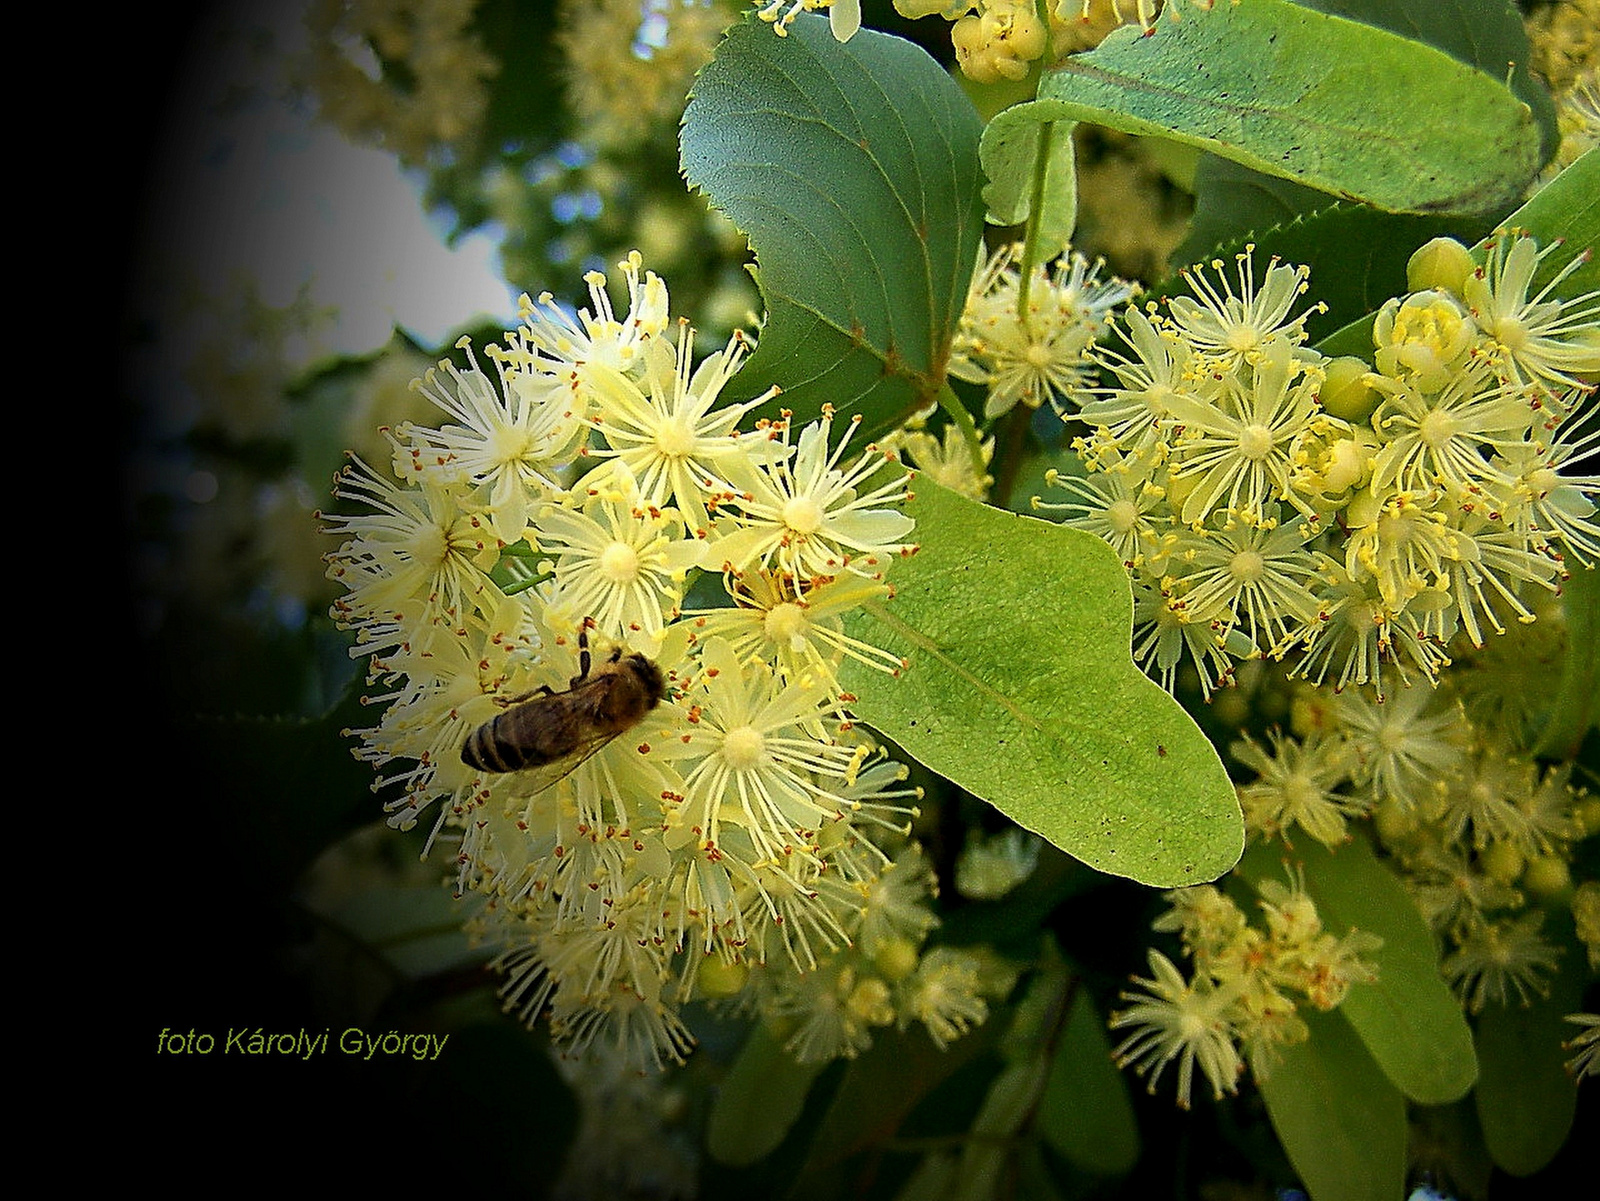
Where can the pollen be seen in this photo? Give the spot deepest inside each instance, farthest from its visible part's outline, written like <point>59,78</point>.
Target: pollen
<point>1247,565</point>
<point>619,562</point>
<point>786,624</point>
<point>803,515</point>
<point>675,438</point>
<point>744,748</point>
<point>1255,442</point>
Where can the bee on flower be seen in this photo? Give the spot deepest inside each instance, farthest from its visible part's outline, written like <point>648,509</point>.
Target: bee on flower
<point>656,809</point>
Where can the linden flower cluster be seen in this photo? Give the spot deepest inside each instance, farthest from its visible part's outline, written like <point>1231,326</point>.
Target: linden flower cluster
<point>742,832</point>
<point>629,66</point>
<point>1247,986</point>
<point>1474,827</point>
<point>1357,515</point>
<point>999,40</point>
<point>1028,340</point>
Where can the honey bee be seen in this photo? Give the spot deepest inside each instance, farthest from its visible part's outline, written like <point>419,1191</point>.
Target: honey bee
<point>557,731</point>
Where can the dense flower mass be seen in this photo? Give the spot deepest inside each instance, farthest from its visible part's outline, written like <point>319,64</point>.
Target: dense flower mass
<point>1247,986</point>
<point>1350,517</point>
<point>658,807</point>
<point>1467,819</point>
<point>1001,40</point>
<point>1394,530</point>
<point>1026,337</point>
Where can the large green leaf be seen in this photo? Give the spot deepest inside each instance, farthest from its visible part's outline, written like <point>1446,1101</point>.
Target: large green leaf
<point>853,169</point>
<point>1566,210</point>
<point>412,931</point>
<point>288,787</point>
<point>879,1091</point>
<point>1340,106</point>
<point>1526,1100</point>
<point>760,1099</point>
<point>1486,34</point>
<point>1339,1118</point>
<point>1408,1019</point>
<point>1085,1113</point>
<point>1233,202</point>
<point>1022,690</point>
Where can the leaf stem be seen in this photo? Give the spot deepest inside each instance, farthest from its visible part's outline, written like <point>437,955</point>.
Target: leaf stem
<point>969,430</point>
<point>1030,243</point>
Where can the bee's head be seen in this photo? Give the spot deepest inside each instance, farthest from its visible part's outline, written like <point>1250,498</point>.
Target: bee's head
<point>655,684</point>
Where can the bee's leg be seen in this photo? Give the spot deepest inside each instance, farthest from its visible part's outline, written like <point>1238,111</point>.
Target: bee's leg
<point>583,652</point>
<point>541,690</point>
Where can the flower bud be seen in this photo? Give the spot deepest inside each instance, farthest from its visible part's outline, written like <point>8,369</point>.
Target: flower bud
<point>1502,863</point>
<point>1548,877</point>
<point>1424,337</point>
<point>1442,264</point>
<point>896,959</point>
<point>1345,392</point>
<point>719,979</point>
<point>1000,44</point>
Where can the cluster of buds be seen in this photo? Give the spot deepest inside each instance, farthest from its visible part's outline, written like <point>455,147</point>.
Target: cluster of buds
<point>1269,500</point>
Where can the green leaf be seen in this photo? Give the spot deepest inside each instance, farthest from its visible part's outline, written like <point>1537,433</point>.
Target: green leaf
<point>880,1090</point>
<point>1339,1118</point>
<point>292,786</point>
<point>853,169</point>
<point>1409,1020</point>
<point>1486,34</point>
<point>1085,1114</point>
<point>1233,202</point>
<point>760,1099</point>
<point>1573,711</point>
<point>1010,152</point>
<point>1565,210</point>
<point>414,930</point>
<point>1012,1094</point>
<point>1526,1100</point>
<point>1334,104</point>
<point>1021,689</point>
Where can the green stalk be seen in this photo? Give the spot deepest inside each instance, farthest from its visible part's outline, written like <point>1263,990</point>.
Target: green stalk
<point>969,430</point>
<point>1030,243</point>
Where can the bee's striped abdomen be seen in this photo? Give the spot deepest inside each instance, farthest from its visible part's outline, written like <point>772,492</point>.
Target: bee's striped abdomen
<point>520,737</point>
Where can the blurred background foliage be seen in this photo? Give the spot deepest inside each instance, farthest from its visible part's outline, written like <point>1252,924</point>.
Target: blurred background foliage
<point>550,128</point>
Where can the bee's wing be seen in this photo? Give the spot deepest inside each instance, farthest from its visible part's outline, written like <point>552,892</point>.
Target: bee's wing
<point>535,780</point>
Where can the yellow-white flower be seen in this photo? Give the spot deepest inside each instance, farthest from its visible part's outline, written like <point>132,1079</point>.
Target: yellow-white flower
<point>552,340</point>
<point>1541,339</point>
<point>1178,1020</point>
<point>800,634</point>
<point>670,427</point>
<point>844,16</point>
<point>510,439</point>
<point>1236,326</point>
<point>617,559</point>
<point>808,518</point>
<point>758,766</point>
